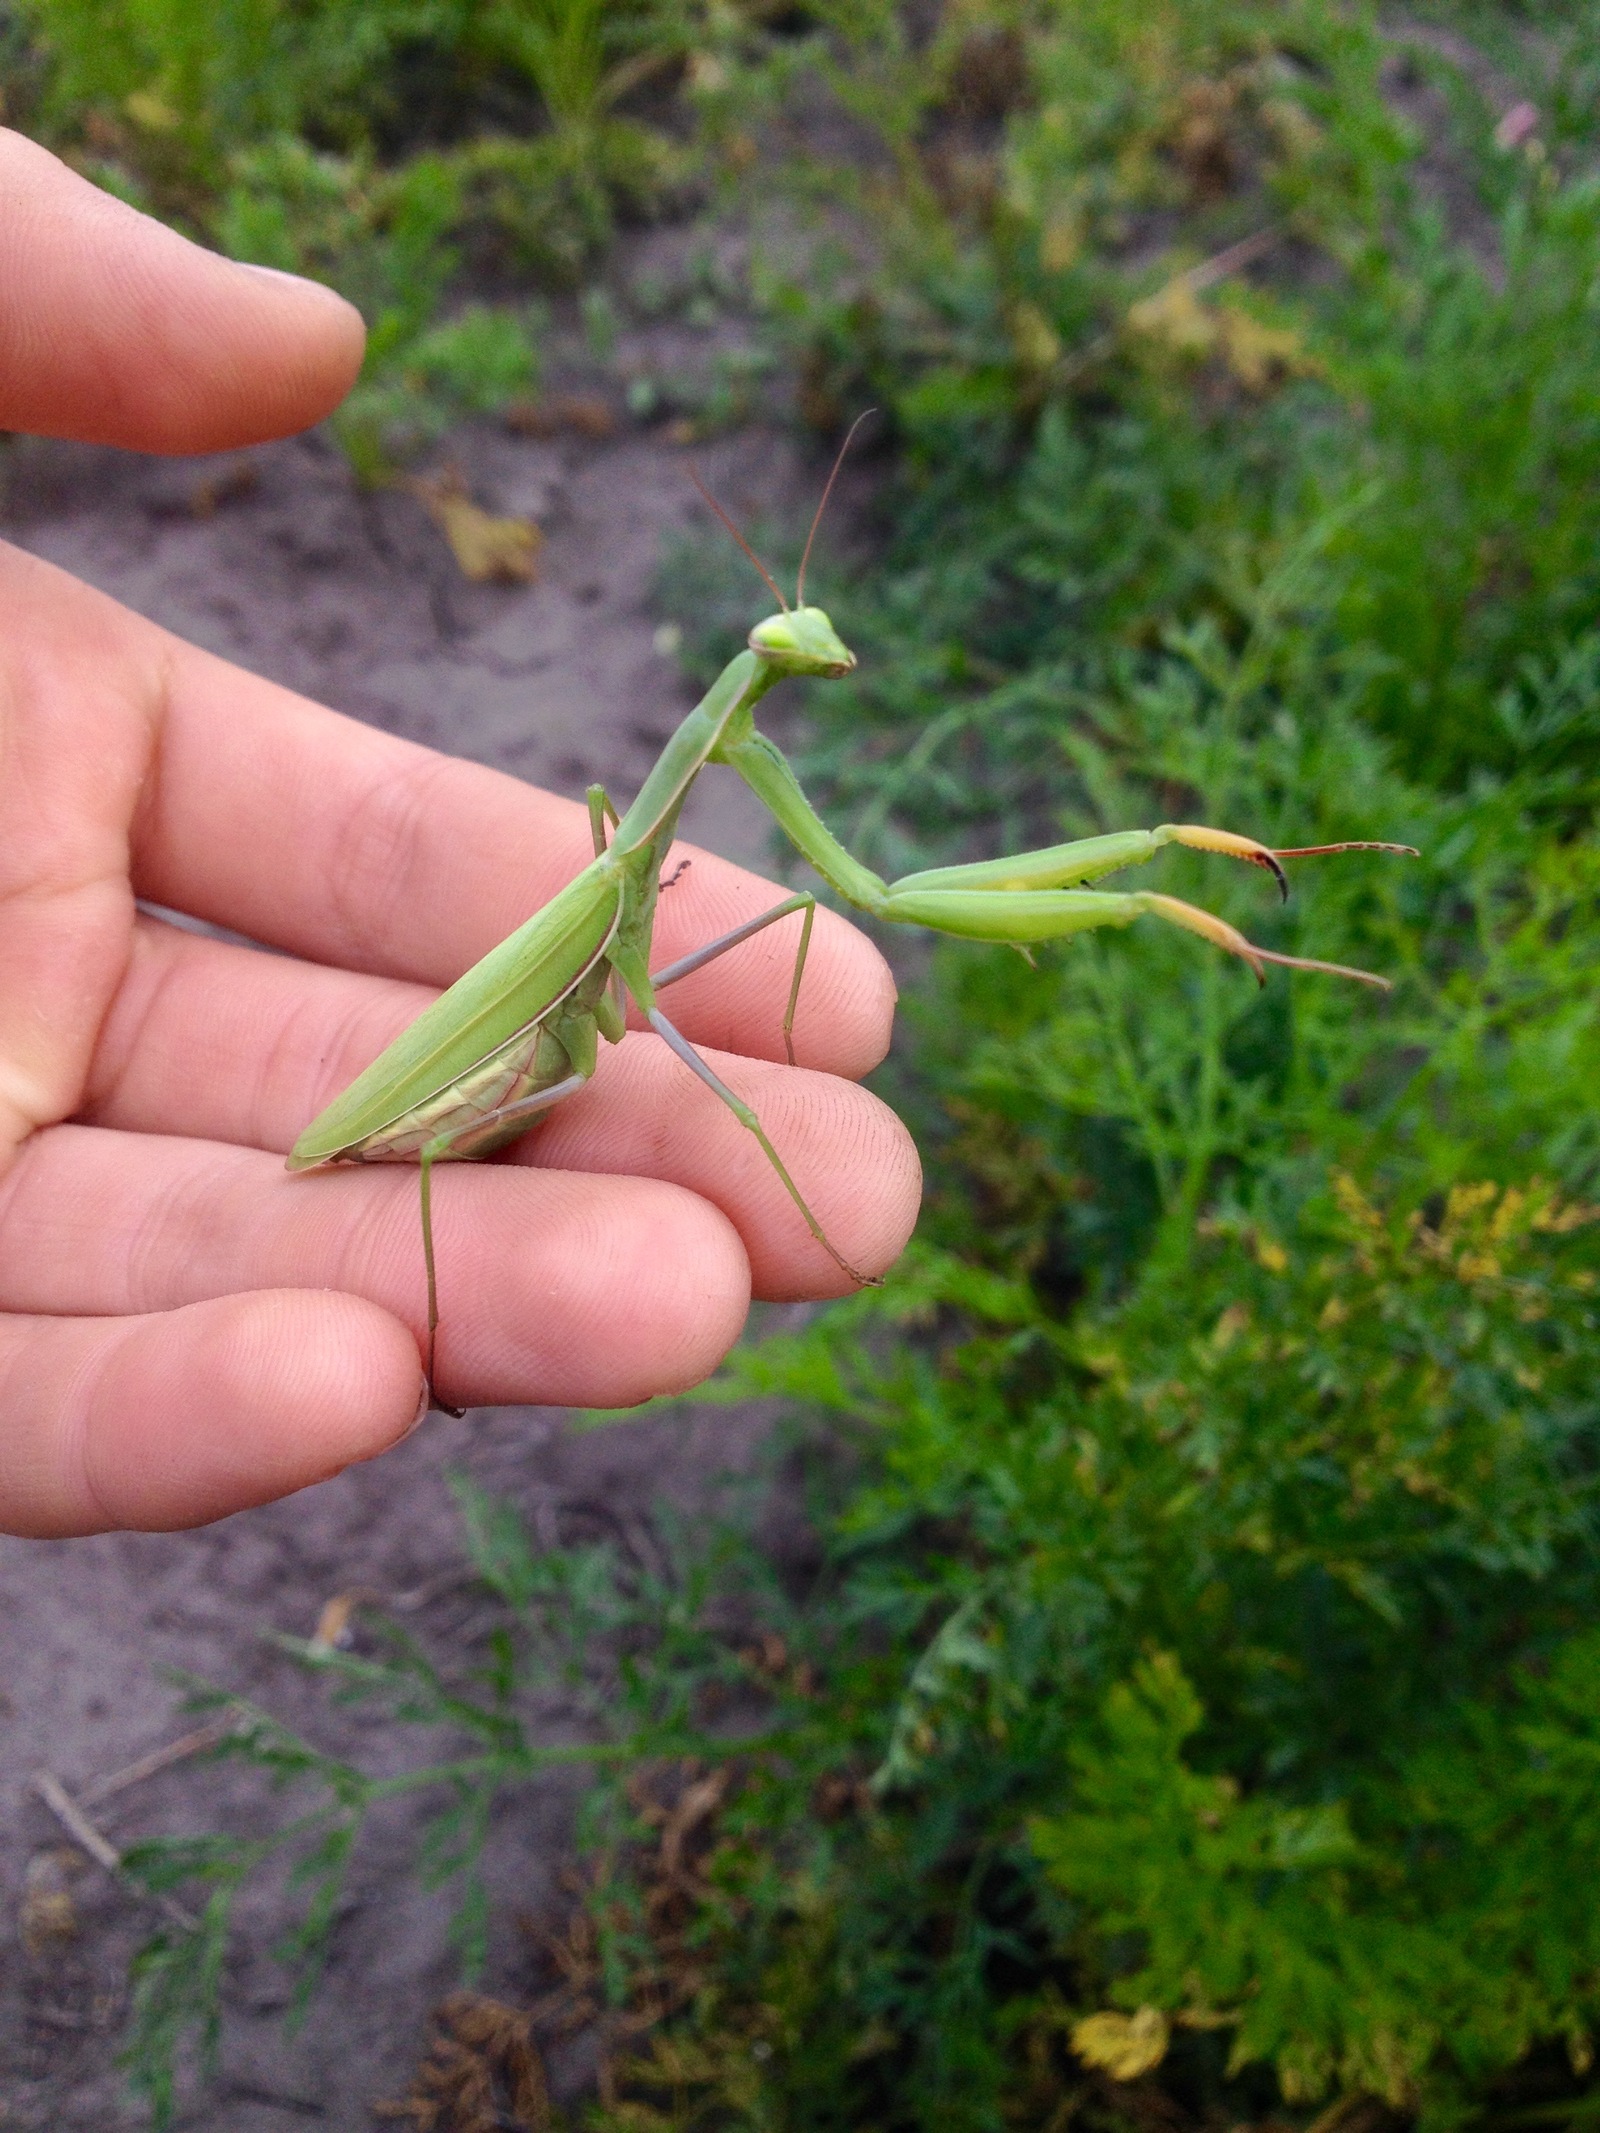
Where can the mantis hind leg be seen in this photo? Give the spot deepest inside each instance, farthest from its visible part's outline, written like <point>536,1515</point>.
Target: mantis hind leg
<point>752,1124</point>
<point>491,1129</point>
<point>688,964</point>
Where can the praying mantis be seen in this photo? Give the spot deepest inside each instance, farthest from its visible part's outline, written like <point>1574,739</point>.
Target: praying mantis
<point>520,1031</point>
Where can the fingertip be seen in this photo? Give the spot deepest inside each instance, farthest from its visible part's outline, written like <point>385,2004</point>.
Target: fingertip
<point>320,339</point>
<point>239,1400</point>
<point>700,1311</point>
<point>116,330</point>
<point>871,1176</point>
<point>642,1288</point>
<point>879,996</point>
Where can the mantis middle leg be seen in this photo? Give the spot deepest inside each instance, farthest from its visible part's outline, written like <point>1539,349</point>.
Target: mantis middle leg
<point>446,1145</point>
<point>686,965</point>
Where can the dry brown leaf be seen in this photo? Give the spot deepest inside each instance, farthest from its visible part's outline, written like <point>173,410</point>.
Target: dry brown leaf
<point>332,1632</point>
<point>590,417</point>
<point>489,550</point>
<point>483,2073</point>
<point>1123,2046</point>
<point>227,486</point>
<point>695,1802</point>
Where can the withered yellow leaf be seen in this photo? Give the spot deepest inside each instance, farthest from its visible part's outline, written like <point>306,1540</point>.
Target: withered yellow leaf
<point>489,550</point>
<point>1035,340</point>
<point>151,111</point>
<point>1178,323</point>
<point>1123,2046</point>
<point>1257,353</point>
<point>1176,319</point>
<point>47,1916</point>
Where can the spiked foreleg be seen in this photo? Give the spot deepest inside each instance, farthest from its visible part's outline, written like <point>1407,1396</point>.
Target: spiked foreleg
<point>1022,917</point>
<point>1090,859</point>
<point>1028,898</point>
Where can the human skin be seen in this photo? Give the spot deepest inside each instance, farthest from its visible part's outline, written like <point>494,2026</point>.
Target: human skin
<point>185,1329</point>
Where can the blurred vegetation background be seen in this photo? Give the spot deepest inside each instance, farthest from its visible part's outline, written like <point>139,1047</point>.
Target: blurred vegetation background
<point>1188,1713</point>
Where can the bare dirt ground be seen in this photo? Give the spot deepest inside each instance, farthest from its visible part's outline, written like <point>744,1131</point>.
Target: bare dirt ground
<point>354,600</point>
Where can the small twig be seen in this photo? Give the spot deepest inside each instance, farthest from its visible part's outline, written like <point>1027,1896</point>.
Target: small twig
<point>58,2017</point>
<point>159,1759</point>
<point>276,2099</point>
<point>75,1822</point>
<point>1221,264</point>
<point>98,1845</point>
<point>337,1612</point>
<point>427,1592</point>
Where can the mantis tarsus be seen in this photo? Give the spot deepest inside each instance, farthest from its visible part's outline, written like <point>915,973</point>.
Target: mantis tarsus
<point>520,1031</point>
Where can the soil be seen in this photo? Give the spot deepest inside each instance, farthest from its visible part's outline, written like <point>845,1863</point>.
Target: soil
<point>275,560</point>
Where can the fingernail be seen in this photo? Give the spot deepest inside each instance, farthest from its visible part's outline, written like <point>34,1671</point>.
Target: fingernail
<point>424,1404</point>
<point>295,281</point>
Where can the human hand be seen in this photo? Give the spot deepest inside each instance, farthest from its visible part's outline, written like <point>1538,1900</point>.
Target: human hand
<point>187,1329</point>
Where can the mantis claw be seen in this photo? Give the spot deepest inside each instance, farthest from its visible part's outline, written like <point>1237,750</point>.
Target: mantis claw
<point>1201,839</point>
<point>1318,851</point>
<point>1222,935</point>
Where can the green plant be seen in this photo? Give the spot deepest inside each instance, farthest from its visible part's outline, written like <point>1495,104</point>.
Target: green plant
<point>373,147</point>
<point>385,240</point>
<point>1171,1381</point>
<point>338,73</point>
<point>1198,241</point>
<point>561,1649</point>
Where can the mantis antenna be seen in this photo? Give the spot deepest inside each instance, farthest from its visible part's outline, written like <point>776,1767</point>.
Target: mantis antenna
<point>772,584</point>
<point>800,582</point>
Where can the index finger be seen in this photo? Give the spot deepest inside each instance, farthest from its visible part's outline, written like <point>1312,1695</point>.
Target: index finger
<point>115,329</point>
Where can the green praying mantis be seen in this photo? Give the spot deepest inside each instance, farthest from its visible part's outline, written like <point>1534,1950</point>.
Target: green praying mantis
<point>520,1031</point>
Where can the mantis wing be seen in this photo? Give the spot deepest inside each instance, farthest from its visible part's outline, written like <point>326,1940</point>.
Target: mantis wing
<point>484,1021</point>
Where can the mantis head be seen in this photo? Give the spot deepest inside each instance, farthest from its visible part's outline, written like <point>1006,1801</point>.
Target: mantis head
<point>802,641</point>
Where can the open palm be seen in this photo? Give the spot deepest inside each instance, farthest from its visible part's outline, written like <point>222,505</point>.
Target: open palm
<point>187,1329</point>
